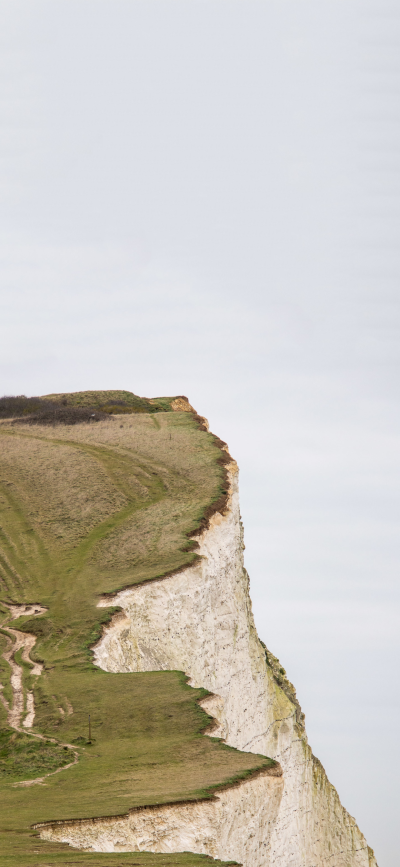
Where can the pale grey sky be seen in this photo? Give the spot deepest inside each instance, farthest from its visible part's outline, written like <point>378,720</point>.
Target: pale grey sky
<point>202,197</point>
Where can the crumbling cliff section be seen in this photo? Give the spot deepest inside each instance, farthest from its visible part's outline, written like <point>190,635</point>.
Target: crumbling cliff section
<point>200,621</point>
<point>226,827</point>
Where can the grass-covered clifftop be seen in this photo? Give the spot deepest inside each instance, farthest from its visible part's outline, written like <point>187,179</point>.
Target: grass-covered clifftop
<point>90,504</point>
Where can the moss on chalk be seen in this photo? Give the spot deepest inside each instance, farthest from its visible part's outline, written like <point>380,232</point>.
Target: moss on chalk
<point>281,679</point>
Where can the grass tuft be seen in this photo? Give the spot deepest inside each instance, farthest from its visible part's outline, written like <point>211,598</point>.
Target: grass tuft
<point>25,757</point>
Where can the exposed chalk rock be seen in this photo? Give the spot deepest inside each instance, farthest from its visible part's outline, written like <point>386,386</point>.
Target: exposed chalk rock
<point>200,621</point>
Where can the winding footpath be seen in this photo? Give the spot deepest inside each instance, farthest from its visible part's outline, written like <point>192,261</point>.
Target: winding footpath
<point>16,641</point>
<point>23,702</point>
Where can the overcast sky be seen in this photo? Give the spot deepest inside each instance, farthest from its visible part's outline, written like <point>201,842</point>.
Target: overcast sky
<point>202,197</point>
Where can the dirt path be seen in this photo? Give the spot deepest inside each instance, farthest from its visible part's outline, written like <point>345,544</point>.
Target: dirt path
<point>21,702</point>
<point>26,641</point>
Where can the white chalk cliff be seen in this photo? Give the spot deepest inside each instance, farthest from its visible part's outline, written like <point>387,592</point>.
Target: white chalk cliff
<point>200,621</point>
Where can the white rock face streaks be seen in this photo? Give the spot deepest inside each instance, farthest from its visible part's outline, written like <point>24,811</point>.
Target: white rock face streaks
<point>200,621</point>
<point>226,827</point>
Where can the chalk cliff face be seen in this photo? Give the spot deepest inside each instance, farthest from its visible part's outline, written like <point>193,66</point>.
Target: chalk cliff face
<point>200,621</point>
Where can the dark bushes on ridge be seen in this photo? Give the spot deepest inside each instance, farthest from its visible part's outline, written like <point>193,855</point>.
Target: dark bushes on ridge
<point>13,407</point>
<point>38,410</point>
<point>62,415</point>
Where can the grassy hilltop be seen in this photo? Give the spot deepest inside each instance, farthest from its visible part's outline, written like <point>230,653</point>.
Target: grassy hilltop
<point>99,491</point>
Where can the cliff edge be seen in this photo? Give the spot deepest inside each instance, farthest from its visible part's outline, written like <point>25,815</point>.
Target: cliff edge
<point>197,619</point>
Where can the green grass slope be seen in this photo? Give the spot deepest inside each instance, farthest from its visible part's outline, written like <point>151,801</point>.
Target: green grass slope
<point>86,509</point>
